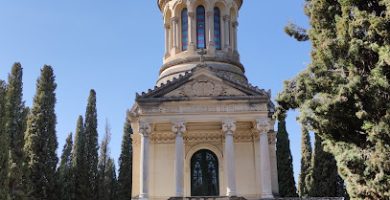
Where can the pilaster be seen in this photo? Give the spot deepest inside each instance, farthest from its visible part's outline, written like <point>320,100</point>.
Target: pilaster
<point>228,128</point>
<point>145,130</point>
<point>179,128</point>
<point>263,126</point>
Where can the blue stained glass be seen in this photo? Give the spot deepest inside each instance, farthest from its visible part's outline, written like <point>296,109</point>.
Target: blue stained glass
<point>200,28</point>
<point>184,29</point>
<point>217,28</point>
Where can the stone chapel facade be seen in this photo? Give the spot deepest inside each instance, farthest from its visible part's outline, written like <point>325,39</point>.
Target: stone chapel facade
<point>203,130</point>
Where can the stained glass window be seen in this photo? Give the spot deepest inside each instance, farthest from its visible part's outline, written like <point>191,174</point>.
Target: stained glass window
<point>204,174</point>
<point>184,29</point>
<point>200,27</point>
<point>217,28</point>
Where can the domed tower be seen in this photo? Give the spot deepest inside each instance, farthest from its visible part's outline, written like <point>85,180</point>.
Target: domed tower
<point>193,26</point>
<point>203,130</point>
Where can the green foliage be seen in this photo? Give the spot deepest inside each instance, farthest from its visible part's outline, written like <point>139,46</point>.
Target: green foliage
<point>104,178</point>
<point>16,115</point>
<point>125,163</point>
<point>79,163</point>
<point>306,152</point>
<point>40,139</point>
<point>112,183</point>
<point>92,146</point>
<point>324,177</point>
<point>344,93</point>
<point>4,145</point>
<point>285,167</point>
<point>296,32</point>
<point>65,172</point>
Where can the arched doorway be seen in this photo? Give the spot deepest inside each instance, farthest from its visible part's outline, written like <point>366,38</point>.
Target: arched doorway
<point>204,174</point>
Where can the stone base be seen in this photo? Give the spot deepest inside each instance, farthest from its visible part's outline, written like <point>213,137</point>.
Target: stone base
<point>242,198</point>
<point>207,198</point>
<point>308,198</point>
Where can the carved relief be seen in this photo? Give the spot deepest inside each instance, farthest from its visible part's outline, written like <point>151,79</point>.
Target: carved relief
<point>204,88</point>
<point>272,138</point>
<point>179,128</point>
<point>145,129</point>
<point>229,127</point>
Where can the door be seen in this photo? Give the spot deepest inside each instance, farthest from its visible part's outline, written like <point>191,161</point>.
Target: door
<point>204,174</point>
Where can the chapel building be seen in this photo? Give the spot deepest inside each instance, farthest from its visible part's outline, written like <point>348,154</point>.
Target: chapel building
<point>203,130</point>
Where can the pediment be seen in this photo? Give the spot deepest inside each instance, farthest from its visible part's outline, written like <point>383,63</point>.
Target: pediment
<point>200,82</point>
<point>204,85</point>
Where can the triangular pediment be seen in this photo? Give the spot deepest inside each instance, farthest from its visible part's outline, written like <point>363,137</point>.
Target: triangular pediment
<point>202,81</point>
<point>205,85</point>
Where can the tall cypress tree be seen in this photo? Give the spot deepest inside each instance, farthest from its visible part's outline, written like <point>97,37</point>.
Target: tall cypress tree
<point>80,167</point>
<point>125,163</point>
<point>15,128</point>
<point>112,182</point>
<point>306,152</point>
<point>65,172</point>
<point>285,167</point>
<point>104,178</point>
<point>40,139</point>
<point>325,181</point>
<point>344,93</point>
<point>4,145</point>
<point>92,146</point>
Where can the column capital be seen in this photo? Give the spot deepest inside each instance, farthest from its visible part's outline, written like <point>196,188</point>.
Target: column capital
<point>263,125</point>
<point>179,128</point>
<point>191,14</point>
<point>229,127</point>
<point>175,19</point>
<point>226,18</point>
<point>167,25</point>
<point>235,24</point>
<point>145,129</point>
<point>209,13</point>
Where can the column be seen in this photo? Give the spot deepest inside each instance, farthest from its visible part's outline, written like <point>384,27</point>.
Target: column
<point>167,40</point>
<point>144,130</point>
<point>210,26</point>
<point>179,129</point>
<point>175,35</point>
<point>191,30</point>
<point>228,128</point>
<point>263,126</point>
<point>226,20</point>
<point>235,25</point>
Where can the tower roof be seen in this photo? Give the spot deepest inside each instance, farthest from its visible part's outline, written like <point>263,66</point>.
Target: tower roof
<point>161,3</point>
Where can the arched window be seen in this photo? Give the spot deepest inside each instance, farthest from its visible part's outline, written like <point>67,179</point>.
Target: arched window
<point>217,28</point>
<point>200,28</point>
<point>184,29</point>
<point>204,174</point>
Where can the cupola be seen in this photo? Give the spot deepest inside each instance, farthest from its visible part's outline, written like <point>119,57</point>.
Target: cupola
<point>200,31</point>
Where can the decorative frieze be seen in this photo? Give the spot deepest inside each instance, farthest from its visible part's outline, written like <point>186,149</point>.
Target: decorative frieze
<point>196,108</point>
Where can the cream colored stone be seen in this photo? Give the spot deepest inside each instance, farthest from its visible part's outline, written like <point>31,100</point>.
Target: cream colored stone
<point>200,105</point>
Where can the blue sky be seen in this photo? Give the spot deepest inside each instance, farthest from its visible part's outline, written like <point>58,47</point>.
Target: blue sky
<point>116,48</point>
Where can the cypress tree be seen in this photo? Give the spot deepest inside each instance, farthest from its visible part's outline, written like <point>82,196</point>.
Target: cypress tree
<point>4,145</point>
<point>92,147</point>
<point>325,181</point>
<point>285,167</point>
<point>65,171</point>
<point>112,180</point>
<point>79,163</point>
<point>40,139</point>
<point>104,178</point>
<point>344,94</point>
<point>125,163</point>
<point>306,151</point>
<point>15,128</point>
